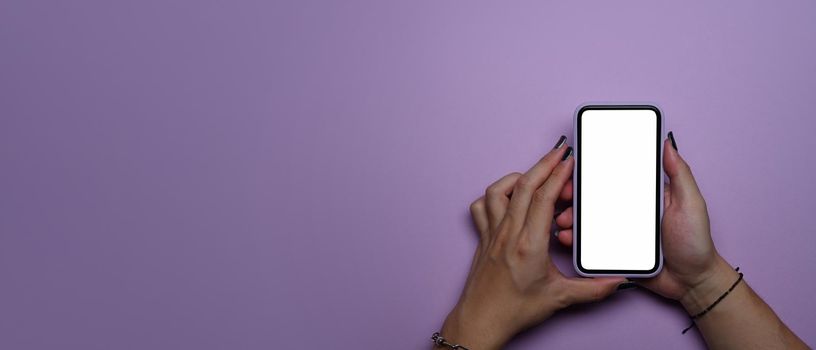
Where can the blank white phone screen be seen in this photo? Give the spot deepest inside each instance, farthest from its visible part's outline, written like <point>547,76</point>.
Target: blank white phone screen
<point>618,185</point>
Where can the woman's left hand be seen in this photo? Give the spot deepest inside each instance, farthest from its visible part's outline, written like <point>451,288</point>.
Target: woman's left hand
<point>513,283</point>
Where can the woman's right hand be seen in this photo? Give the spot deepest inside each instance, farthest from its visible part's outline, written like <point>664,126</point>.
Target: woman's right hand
<point>693,271</point>
<point>697,276</point>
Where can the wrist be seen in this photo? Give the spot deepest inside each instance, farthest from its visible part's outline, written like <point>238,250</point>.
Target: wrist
<point>710,287</point>
<point>473,332</point>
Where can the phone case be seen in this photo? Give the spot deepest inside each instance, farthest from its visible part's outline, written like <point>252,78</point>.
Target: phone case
<point>575,195</point>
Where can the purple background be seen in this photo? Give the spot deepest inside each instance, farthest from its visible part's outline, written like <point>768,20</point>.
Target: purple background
<point>263,175</point>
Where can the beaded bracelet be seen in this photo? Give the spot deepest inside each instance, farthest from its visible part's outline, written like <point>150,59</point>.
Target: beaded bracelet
<point>715,302</point>
<point>441,341</point>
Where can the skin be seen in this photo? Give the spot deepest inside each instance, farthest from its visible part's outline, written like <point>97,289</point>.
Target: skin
<point>513,284</point>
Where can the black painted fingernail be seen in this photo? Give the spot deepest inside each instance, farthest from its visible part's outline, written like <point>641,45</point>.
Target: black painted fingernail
<point>561,141</point>
<point>567,154</point>
<point>626,285</point>
<point>674,143</point>
<point>555,233</point>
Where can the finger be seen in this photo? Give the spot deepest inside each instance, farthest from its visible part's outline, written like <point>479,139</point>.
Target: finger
<point>565,237</point>
<point>666,195</point>
<point>566,193</point>
<point>479,214</point>
<point>586,290</point>
<point>682,184</point>
<point>497,198</point>
<point>660,282</point>
<point>528,183</point>
<point>564,220</point>
<point>543,202</point>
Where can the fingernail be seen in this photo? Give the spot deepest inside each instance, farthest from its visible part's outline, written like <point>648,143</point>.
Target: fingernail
<point>567,154</point>
<point>555,233</point>
<point>561,141</point>
<point>626,285</point>
<point>674,143</point>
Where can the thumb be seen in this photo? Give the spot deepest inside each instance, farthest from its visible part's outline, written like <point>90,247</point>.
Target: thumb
<point>586,290</point>
<point>681,184</point>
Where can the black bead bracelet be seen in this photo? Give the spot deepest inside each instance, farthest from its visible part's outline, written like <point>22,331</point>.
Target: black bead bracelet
<point>715,302</point>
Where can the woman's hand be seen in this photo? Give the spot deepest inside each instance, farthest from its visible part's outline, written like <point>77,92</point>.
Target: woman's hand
<point>693,272</point>
<point>513,284</point>
<point>696,275</point>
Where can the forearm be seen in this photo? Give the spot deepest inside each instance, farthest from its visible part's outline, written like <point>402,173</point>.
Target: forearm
<point>740,321</point>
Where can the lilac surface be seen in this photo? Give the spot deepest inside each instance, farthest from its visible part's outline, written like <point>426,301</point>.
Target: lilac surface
<point>255,175</point>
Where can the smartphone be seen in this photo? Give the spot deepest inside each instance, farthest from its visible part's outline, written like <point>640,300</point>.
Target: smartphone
<point>618,190</point>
